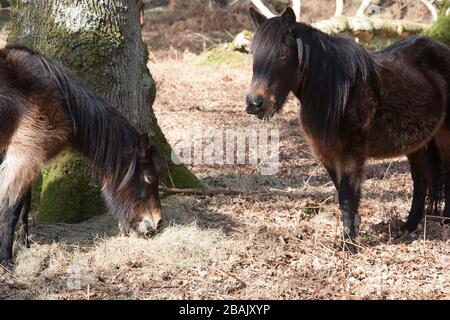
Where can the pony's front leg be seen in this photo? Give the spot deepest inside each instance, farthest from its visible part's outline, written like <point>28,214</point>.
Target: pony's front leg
<point>8,220</point>
<point>17,173</point>
<point>349,196</point>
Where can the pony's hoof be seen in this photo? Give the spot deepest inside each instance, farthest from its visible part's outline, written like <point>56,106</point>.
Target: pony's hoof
<point>351,249</point>
<point>408,229</point>
<point>349,245</point>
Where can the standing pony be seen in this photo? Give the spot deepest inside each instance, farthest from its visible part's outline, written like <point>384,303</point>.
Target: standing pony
<point>357,105</point>
<point>44,109</point>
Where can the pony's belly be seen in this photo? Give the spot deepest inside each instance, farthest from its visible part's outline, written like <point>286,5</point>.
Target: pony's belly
<point>398,131</point>
<point>412,107</point>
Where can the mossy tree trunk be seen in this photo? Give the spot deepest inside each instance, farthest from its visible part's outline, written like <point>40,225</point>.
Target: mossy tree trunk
<point>100,41</point>
<point>440,30</point>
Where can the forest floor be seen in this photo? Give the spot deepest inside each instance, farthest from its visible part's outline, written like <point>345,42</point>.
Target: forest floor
<point>283,243</point>
<point>278,239</point>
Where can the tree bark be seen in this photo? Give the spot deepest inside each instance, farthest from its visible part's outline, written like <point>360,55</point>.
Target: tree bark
<point>100,42</point>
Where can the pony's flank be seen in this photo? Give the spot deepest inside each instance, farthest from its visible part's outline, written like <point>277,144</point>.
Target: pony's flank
<point>99,132</point>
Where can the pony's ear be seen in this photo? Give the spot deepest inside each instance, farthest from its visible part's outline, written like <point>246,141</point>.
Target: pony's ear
<point>258,18</point>
<point>288,18</point>
<point>144,142</point>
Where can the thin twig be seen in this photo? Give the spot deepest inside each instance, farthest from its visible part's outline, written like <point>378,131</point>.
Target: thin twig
<point>230,192</point>
<point>234,277</point>
<point>387,170</point>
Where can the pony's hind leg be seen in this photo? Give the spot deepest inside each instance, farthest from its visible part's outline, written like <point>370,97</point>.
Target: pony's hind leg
<point>443,143</point>
<point>420,172</point>
<point>446,213</point>
<point>22,230</point>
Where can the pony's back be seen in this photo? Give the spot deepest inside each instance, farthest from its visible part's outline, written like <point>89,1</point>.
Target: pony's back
<point>51,86</point>
<point>24,88</point>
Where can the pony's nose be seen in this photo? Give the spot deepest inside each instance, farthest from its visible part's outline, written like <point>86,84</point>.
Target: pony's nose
<point>254,104</point>
<point>149,225</point>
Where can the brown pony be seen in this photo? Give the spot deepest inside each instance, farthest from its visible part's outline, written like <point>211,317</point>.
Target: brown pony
<point>358,105</point>
<point>44,109</point>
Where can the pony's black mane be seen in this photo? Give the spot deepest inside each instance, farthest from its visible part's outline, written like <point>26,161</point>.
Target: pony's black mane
<point>329,68</point>
<point>99,132</point>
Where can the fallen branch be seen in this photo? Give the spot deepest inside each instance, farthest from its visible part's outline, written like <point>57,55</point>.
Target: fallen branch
<point>362,9</point>
<point>360,26</point>
<point>366,28</point>
<point>211,192</point>
<point>296,6</point>
<point>339,8</point>
<point>263,9</point>
<point>432,9</point>
<point>232,192</point>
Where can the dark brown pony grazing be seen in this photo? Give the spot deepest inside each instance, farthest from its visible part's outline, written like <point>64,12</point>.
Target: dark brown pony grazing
<point>43,109</point>
<point>358,105</point>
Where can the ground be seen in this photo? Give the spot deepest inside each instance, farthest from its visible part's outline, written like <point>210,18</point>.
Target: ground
<point>280,244</point>
<point>278,239</point>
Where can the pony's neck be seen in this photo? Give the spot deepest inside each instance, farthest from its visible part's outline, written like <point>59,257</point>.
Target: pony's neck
<point>329,68</point>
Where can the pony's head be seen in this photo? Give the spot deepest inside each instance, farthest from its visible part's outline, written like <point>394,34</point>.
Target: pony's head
<point>136,199</point>
<point>275,63</point>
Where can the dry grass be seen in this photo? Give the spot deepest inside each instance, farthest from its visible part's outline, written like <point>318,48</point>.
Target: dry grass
<point>268,246</point>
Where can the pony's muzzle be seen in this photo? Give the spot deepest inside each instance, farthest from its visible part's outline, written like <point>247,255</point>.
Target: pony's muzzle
<point>149,224</point>
<point>254,104</point>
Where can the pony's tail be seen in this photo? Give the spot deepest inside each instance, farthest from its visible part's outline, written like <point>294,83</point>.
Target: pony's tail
<point>436,181</point>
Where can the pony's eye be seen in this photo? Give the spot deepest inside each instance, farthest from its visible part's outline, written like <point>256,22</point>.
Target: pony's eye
<point>283,55</point>
<point>148,179</point>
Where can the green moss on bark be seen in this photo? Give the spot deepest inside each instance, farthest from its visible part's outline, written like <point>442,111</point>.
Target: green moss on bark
<point>36,193</point>
<point>68,193</point>
<point>440,30</point>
